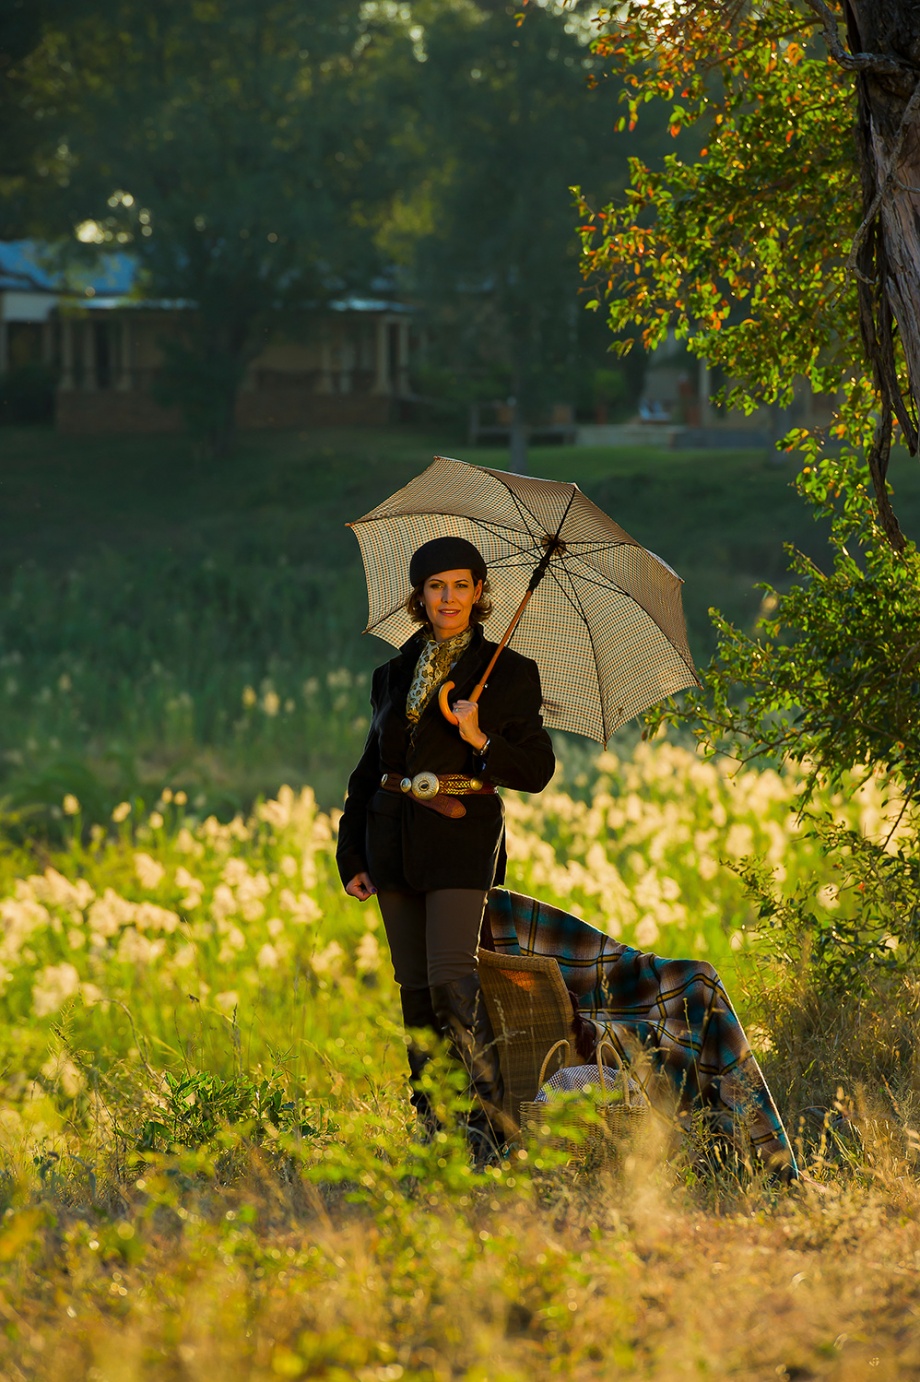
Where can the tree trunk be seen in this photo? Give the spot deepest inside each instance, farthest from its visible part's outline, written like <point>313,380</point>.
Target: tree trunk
<point>884,41</point>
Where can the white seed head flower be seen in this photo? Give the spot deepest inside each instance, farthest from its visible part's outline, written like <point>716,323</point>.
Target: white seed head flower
<point>267,957</point>
<point>367,955</point>
<point>53,986</point>
<point>149,873</point>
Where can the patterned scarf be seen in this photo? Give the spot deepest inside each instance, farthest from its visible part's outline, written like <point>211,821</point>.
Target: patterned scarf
<point>435,661</point>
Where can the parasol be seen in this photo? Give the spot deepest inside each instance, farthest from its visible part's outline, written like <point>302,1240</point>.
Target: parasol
<point>600,614</point>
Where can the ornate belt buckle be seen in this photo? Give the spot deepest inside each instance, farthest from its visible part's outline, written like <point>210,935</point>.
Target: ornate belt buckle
<point>425,786</point>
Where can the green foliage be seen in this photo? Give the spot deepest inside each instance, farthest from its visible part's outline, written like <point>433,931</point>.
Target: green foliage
<point>199,1106</point>
<point>869,924</point>
<point>832,676</point>
<point>229,148</point>
<point>482,228</point>
<point>740,249</point>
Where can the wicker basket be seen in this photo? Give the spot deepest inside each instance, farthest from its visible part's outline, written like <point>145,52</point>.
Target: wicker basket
<point>586,1137</point>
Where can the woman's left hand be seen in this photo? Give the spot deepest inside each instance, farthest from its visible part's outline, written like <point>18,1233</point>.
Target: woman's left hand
<point>467,713</point>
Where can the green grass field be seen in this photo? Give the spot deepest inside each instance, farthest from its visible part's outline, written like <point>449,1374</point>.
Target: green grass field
<point>143,595</point>
<point>208,1166</point>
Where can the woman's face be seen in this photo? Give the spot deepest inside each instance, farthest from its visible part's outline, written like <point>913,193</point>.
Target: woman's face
<point>449,599</point>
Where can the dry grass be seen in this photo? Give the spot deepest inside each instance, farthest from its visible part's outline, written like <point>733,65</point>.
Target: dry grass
<point>513,1275</point>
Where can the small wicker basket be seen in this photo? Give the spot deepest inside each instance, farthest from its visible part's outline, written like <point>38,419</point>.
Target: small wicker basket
<point>585,1136</point>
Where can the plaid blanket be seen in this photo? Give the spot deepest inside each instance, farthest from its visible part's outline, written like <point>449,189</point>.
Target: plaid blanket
<point>676,1011</point>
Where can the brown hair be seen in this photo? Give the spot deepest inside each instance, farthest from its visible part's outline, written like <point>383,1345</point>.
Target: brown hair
<point>415,606</point>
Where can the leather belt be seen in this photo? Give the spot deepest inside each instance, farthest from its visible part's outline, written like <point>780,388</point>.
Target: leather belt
<point>438,793</point>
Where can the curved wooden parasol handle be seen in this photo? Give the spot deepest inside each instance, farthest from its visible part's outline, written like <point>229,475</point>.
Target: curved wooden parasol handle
<point>478,689</point>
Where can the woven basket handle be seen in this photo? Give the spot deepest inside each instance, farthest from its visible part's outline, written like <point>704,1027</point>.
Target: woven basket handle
<point>628,1098</point>
<point>547,1058</point>
<point>618,1062</point>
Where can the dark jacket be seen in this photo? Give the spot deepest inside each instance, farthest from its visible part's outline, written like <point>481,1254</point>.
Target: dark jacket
<point>403,844</point>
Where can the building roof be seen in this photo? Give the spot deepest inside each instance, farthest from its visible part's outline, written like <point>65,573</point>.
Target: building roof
<point>27,266</point>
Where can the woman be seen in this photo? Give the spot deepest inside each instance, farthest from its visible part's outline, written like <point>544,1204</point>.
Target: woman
<point>422,827</point>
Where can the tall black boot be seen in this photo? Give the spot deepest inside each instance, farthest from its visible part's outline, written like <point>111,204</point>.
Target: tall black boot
<point>463,1018</point>
<point>419,1015</point>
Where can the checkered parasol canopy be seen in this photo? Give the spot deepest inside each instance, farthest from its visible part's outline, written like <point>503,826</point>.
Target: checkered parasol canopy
<point>605,625</point>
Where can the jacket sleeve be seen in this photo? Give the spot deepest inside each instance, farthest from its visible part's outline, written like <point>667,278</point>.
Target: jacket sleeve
<point>351,851</point>
<point>520,753</point>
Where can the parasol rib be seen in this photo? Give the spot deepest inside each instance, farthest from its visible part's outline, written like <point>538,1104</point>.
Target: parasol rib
<point>552,547</point>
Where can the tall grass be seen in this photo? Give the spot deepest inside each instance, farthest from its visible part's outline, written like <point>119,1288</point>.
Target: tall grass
<point>164,625</point>
<point>207,1164</point>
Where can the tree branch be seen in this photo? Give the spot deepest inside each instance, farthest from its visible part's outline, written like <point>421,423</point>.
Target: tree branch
<point>854,62</point>
<point>887,178</point>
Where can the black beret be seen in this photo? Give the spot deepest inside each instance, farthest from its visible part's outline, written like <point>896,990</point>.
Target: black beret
<point>446,554</point>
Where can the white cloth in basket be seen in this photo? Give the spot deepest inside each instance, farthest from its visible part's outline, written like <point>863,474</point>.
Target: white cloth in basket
<point>574,1077</point>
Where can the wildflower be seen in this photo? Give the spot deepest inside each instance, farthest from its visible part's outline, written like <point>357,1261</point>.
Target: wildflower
<point>223,903</point>
<point>279,813</point>
<point>135,949</point>
<point>227,1001</point>
<point>367,955</point>
<point>302,908</point>
<point>150,917</point>
<point>193,888</point>
<point>328,961</point>
<point>156,820</point>
<point>122,812</point>
<point>234,943</point>
<point>64,683</point>
<point>289,866</point>
<point>180,798</point>
<point>249,697</point>
<point>166,796</point>
<point>71,805</point>
<point>52,887</point>
<point>109,914</point>
<point>61,1070</point>
<point>53,986</point>
<point>271,703</point>
<point>267,957</point>
<point>149,872</point>
<point>646,932</point>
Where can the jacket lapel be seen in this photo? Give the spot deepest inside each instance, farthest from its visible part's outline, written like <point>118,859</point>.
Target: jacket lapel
<point>401,668</point>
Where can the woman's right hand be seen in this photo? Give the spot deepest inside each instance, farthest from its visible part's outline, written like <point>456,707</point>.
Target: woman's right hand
<point>361,887</point>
